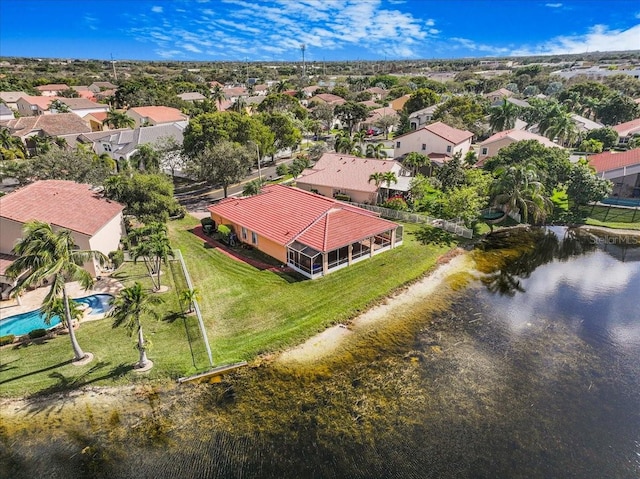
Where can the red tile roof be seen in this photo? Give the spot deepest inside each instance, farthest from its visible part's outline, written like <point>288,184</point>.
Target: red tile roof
<point>329,98</point>
<point>65,204</point>
<point>5,261</point>
<point>345,172</point>
<point>159,114</point>
<point>53,87</point>
<point>41,101</point>
<point>625,129</point>
<point>612,161</point>
<point>452,135</point>
<point>519,135</point>
<point>285,214</point>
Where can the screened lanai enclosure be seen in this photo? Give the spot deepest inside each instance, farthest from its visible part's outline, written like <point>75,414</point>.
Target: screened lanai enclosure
<point>313,263</point>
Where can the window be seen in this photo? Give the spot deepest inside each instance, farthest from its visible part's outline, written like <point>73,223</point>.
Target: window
<point>254,237</point>
<point>397,144</point>
<point>448,148</point>
<point>485,151</point>
<point>424,146</point>
<point>244,233</point>
<point>106,146</point>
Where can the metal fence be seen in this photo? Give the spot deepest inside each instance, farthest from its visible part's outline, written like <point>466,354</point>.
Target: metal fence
<point>178,255</point>
<point>456,227</point>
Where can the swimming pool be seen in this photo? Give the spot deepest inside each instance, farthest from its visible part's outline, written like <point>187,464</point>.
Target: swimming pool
<point>23,323</point>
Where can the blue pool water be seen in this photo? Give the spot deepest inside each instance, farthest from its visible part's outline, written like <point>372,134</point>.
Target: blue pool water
<point>621,201</point>
<point>23,323</point>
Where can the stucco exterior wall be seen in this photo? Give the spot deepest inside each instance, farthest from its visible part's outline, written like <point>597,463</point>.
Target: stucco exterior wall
<point>493,148</point>
<point>433,144</point>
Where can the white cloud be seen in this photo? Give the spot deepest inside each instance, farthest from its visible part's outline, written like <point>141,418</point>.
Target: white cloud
<point>430,22</point>
<point>553,5</point>
<point>157,9</point>
<point>191,48</point>
<point>599,38</point>
<point>476,47</point>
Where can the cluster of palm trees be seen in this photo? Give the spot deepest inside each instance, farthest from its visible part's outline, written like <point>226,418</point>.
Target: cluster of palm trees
<point>355,145</point>
<point>386,178</point>
<point>151,244</point>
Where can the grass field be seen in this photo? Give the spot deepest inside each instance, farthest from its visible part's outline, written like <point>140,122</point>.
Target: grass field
<point>620,218</point>
<point>247,312</point>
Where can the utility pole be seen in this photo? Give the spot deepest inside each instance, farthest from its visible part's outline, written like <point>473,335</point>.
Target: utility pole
<point>113,64</point>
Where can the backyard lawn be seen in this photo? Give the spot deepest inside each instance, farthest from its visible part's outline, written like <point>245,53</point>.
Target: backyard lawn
<point>247,312</point>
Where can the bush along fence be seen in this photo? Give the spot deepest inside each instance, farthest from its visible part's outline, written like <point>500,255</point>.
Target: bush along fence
<point>455,227</point>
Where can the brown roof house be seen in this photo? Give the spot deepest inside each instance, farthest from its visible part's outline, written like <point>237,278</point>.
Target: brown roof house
<point>494,143</point>
<point>46,125</point>
<point>622,168</point>
<point>346,175</point>
<point>52,89</point>
<point>627,130</point>
<point>438,141</point>
<point>95,222</point>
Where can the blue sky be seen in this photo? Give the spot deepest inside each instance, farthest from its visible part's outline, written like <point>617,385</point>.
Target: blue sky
<point>273,30</point>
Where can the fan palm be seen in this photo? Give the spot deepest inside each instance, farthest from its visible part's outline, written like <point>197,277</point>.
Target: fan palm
<point>128,307</point>
<point>517,189</point>
<point>54,256</point>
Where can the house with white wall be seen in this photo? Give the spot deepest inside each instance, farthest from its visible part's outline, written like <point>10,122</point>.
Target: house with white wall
<point>495,143</point>
<point>436,138</point>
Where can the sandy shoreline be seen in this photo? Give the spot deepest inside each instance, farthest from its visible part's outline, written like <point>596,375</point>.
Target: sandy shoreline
<point>325,343</point>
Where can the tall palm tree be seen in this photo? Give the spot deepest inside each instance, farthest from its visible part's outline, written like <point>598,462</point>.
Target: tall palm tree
<point>503,117</point>
<point>118,119</point>
<point>377,178</point>
<point>376,151</point>
<point>239,105</point>
<point>415,161</point>
<point>217,95</point>
<point>54,256</point>
<point>128,307</point>
<point>344,143</point>
<point>517,189</point>
<point>563,128</point>
<point>359,137</point>
<point>388,178</point>
<point>146,158</point>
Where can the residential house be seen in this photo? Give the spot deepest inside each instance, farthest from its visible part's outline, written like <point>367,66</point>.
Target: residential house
<point>155,115</point>
<point>585,125</point>
<point>438,141</point>
<point>105,95</point>
<point>370,104</point>
<point>522,104</point>
<point>96,120</point>
<point>422,117</point>
<point>11,98</point>
<point>328,98</point>
<point>494,143</point>
<point>622,168</point>
<point>99,86</point>
<point>52,89</point>
<point>95,222</point>
<point>375,115</point>
<point>46,125</point>
<point>123,143</point>
<point>6,113</point>
<point>377,93</point>
<point>398,103</point>
<point>41,105</point>
<point>261,90</point>
<point>498,95</point>
<point>627,130</point>
<point>311,234</point>
<point>310,90</point>
<point>348,176</point>
<point>192,96</point>
<point>233,93</point>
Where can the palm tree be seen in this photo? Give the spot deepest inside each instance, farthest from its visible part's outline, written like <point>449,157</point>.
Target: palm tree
<point>343,144</point>
<point>54,256</point>
<point>152,245</point>
<point>503,117</point>
<point>415,161</point>
<point>239,105</point>
<point>217,95</point>
<point>377,178</point>
<point>359,137</point>
<point>563,128</point>
<point>517,189</point>
<point>376,151</point>
<point>146,158</point>
<point>190,296</point>
<point>41,144</point>
<point>128,307</point>
<point>118,119</point>
<point>388,178</point>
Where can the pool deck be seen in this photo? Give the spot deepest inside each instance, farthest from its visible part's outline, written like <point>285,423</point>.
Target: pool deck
<point>31,300</point>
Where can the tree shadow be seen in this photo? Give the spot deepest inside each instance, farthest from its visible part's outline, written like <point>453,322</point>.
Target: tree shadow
<point>49,368</point>
<point>5,366</point>
<point>66,384</point>
<point>173,316</point>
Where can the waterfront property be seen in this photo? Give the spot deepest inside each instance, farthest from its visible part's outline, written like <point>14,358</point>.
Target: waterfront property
<point>312,234</point>
<point>622,168</point>
<point>95,222</point>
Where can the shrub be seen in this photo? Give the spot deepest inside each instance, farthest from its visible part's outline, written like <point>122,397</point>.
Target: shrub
<point>396,203</point>
<point>342,197</point>
<point>7,339</point>
<point>117,258</point>
<point>37,333</point>
<point>282,169</point>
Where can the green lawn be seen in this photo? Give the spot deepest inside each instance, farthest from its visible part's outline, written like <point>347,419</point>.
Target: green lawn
<point>619,218</point>
<point>247,312</point>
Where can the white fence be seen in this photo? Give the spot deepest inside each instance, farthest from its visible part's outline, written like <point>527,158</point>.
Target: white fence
<point>455,227</point>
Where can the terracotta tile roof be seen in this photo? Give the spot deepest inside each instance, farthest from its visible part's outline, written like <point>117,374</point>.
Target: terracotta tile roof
<point>612,161</point>
<point>501,92</point>
<point>380,112</point>
<point>329,98</point>
<point>52,125</point>
<point>11,96</point>
<point>519,135</point>
<point>66,204</point>
<point>345,172</point>
<point>88,94</point>
<point>53,87</point>
<point>159,114</point>
<point>628,128</point>
<point>285,214</point>
<point>5,262</point>
<point>370,104</point>
<point>80,103</point>
<point>99,115</point>
<point>41,101</point>
<point>377,91</point>
<point>452,135</point>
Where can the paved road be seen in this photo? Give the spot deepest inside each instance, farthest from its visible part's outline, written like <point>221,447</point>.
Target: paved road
<point>196,202</point>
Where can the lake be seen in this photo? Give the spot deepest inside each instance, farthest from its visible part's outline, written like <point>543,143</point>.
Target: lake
<point>525,367</point>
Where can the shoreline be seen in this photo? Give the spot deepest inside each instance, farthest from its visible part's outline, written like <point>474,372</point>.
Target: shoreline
<point>331,339</point>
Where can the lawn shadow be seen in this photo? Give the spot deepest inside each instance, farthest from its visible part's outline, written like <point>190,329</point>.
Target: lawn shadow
<point>173,316</point>
<point>66,384</point>
<point>43,370</point>
<point>5,366</point>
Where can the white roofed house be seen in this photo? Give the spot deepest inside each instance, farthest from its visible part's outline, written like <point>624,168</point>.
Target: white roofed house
<point>627,130</point>
<point>438,141</point>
